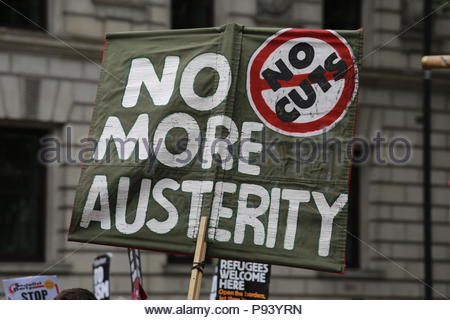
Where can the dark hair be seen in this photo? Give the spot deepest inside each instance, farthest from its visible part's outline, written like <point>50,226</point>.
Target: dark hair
<point>75,294</point>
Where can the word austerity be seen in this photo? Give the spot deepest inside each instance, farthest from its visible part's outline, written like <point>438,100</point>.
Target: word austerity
<point>263,219</point>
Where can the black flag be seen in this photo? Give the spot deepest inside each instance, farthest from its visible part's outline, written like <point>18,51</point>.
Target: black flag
<point>100,270</point>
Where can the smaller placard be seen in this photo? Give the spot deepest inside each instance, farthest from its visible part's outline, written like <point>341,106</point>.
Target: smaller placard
<point>101,278</point>
<point>31,288</point>
<point>242,280</point>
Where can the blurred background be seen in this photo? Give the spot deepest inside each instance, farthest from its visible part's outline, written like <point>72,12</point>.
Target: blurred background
<point>48,80</point>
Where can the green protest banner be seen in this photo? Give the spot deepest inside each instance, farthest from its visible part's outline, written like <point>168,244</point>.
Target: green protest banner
<point>229,123</point>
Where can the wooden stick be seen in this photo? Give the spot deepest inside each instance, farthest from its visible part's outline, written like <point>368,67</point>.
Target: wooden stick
<point>436,62</point>
<point>199,261</point>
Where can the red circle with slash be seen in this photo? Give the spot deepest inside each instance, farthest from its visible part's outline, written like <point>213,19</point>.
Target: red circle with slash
<point>256,84</point>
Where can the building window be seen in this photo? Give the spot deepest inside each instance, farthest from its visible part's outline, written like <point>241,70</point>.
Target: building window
<point>342,14</point>
<point>22,196</point>
<point>192,14</point>
<point>34,10</point>
<point>353,244</point>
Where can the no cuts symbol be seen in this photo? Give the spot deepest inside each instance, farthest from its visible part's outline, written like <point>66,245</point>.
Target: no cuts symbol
<point>300,82</point>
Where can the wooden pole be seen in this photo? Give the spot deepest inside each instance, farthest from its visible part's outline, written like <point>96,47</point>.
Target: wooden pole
<point>436,62</point>
<point>199,261</point>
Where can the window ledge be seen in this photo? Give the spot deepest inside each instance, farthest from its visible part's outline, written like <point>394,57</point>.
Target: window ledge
<point>33,40</point>
<point>121,3</point>
<point>33,268</point>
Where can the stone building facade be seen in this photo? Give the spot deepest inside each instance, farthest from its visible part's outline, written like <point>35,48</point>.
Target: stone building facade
<point>48,81</point>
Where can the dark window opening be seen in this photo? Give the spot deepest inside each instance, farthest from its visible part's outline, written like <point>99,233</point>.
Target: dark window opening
<point>192,14</point>
<point>22,196</point>
<point>342,14</point>
<point>34,10</point>
<point>353,244</point>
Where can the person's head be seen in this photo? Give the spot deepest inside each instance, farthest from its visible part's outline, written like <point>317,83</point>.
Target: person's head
<point>75,294</point>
